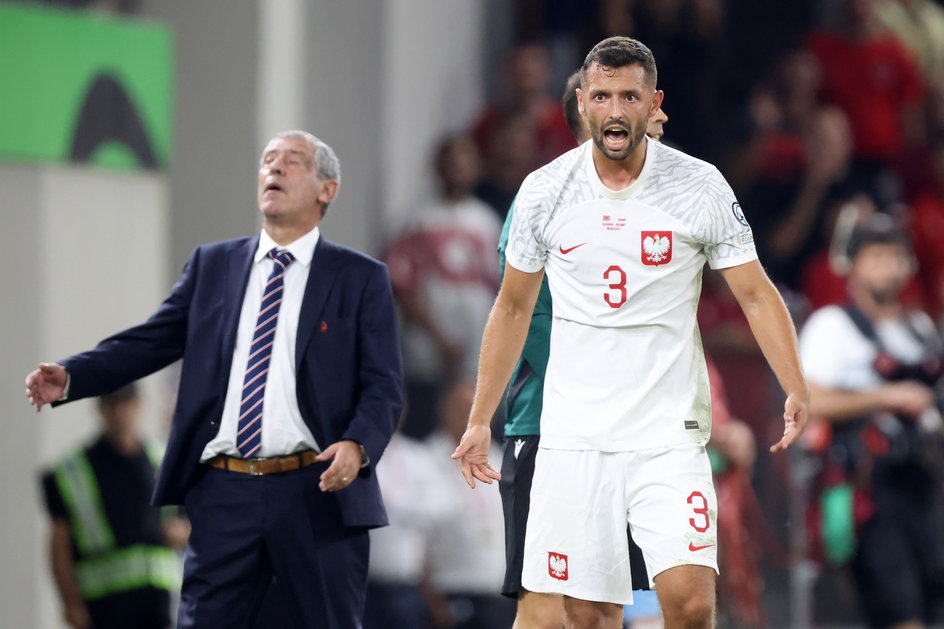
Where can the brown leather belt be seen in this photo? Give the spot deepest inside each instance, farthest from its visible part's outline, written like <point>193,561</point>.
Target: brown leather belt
<point>258,467</point>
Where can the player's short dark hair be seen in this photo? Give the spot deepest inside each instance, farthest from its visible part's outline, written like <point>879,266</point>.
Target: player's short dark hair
<point>619,52</point>
<point>880,229</point>
<point>570,106</point>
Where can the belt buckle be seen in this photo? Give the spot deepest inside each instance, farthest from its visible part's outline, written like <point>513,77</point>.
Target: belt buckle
<point>252,468</point>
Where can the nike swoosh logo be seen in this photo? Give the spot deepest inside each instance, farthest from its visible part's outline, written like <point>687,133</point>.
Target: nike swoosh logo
<point>693,548</point>
<point>566,251</point>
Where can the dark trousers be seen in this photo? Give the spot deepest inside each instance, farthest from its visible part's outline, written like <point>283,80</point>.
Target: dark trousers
<point>395,606</point>
<point>249,529</point>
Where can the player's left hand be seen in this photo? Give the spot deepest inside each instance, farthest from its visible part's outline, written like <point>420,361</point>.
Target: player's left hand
<point>796,411</point>
<point>472,454</point>
<point>345,457</point>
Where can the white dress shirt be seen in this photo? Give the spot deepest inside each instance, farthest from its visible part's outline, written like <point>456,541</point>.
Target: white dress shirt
<point>283,430</point>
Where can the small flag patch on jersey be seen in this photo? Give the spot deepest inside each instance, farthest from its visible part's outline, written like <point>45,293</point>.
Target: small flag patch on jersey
<point>746,238</point>
<point>656,247</point>
<point>557,566</point>
<point>691,424</point>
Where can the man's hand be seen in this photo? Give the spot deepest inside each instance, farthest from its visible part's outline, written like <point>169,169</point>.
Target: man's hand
<point>345,457</point>
<point>909,398</point>
<point>46,384</point>
<point>176,532</point>
<point>796,411</point>
<point>472,454</point>
<point>77,616</point>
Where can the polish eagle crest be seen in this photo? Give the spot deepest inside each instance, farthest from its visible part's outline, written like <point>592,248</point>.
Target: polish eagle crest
<point>557,566</point>
<point>656,247</point>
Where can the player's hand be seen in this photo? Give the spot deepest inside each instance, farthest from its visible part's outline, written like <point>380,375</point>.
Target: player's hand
<point>345,457</point>
<point>472,454</point>
<point>796,412</point>
<point>46,384</point>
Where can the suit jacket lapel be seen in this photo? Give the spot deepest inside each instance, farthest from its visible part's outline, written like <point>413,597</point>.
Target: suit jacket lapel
<point>321,276</point>
<point>233,285</point>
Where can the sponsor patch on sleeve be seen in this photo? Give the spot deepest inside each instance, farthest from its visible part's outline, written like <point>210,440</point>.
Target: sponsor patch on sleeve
<point>746,238</point>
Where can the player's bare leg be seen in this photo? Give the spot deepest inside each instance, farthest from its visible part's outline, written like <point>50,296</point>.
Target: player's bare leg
<point>583,614</point>
<point>687,597</point>
<point>537,610</point>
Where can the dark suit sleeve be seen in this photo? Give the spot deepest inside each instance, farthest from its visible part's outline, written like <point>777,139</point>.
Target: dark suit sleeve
<point>137,351</point>
<point>381,380</point>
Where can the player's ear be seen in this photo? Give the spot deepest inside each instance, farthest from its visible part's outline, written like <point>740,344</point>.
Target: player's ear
<point>657,97</point>
<point>580,102</point>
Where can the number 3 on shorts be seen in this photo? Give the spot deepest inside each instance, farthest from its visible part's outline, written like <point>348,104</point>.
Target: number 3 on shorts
<point>702,511</point>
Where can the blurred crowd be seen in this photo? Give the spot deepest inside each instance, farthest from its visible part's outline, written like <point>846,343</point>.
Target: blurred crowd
<point>821,115</point>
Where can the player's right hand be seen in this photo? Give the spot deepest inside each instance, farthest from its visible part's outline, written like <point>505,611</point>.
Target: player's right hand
<point>472,454</point>
<point>46,384</point>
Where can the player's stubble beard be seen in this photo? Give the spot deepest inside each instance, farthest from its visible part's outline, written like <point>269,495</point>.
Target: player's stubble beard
<point>635,136</point>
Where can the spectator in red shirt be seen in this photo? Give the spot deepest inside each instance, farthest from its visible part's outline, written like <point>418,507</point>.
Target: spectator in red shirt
<point>927,232</point>
<point>875,81</point>
<point>527,75</point>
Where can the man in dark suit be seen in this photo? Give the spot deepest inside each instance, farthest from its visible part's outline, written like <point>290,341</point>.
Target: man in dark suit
<point>290,390</point>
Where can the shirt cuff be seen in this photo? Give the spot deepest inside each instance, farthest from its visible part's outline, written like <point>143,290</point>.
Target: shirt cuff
<point>65,391</point>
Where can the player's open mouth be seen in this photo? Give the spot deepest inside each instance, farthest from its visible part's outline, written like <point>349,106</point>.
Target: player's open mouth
<point>272,187</point>
<point>615,137</point>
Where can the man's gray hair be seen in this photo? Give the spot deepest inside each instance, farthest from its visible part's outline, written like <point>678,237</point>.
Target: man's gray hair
<point>329,167</point>
<point>327,161</point>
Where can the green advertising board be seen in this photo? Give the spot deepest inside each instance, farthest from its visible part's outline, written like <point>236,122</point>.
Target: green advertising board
<point>82,86</point>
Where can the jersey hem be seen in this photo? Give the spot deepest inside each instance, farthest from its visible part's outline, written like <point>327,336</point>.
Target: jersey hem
<point>569,443</point>
<point>729,261</point>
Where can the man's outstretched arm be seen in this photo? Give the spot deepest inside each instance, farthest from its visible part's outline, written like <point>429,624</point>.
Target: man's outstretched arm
<point>772,327</point>
<point>504,336</point>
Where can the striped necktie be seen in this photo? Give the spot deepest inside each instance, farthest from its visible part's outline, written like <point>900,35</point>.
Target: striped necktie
<point>249,428</point>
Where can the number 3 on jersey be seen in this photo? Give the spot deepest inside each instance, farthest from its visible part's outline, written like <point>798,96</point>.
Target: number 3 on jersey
<point>615,300</point>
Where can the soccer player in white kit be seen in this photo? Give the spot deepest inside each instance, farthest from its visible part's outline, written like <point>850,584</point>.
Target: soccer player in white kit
<point>623,227</point>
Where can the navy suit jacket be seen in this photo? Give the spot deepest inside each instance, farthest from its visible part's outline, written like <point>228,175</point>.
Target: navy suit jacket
<point>347,361</point>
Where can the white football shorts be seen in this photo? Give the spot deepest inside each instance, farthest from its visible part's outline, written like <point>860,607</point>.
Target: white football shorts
<point>581,501</point>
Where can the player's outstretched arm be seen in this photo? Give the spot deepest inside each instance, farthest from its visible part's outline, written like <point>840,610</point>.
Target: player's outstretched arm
<point>504,336</point>
<point>772,327</point>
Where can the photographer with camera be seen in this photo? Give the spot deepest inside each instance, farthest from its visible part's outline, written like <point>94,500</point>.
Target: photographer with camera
<point>875,371</point>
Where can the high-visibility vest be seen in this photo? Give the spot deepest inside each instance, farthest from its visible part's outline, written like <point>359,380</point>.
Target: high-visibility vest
<point>101,568</point>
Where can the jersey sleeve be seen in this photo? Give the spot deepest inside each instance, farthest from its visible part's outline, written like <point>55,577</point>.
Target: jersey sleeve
<point>524,249</point>
<point>729,240</point>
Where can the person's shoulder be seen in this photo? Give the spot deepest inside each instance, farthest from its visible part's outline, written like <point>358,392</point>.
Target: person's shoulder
<point>831,317</point>
<point>678,174</point>
<point>348,256</point>
<point>679,162</point>
<point>544,187</point>
<point>921,322</point>
<point>563,165</point>
<point>223,247</point>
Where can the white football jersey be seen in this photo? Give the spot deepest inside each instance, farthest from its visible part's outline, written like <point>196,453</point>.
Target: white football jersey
<point>626,370</point>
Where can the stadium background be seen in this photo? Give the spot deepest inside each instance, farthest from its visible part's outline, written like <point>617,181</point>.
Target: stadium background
<point>87,249</point>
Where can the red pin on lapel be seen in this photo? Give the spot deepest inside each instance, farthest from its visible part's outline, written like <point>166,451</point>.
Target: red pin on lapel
<point>324,326</point>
